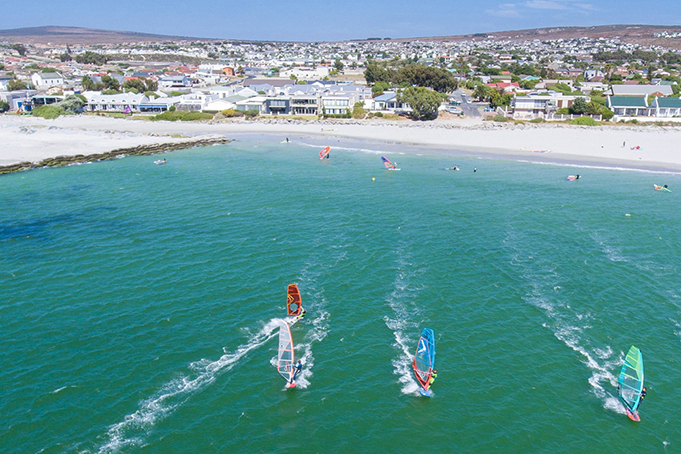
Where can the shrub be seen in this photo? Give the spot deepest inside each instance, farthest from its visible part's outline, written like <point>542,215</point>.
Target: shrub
<point>584,121</point>
<point>537,120</point>
<point>182,115</point>
<point>229,113</point>
<point>251,113</point>
<point>48,112</point>
<point>4,106</point>
<point>500,118</point>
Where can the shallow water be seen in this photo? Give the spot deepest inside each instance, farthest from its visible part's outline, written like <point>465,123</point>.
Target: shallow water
<point>140,303</point>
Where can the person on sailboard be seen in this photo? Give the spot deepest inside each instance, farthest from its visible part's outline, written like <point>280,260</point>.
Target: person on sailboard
<point>296,371</point>
<point>432,378</point>
<point>643,394</point>
<point>302,313</point>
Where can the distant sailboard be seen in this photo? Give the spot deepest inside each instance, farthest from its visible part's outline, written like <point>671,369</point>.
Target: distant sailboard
<point>293,301</point>
<point>388,165</point>
<point>424,361</point>
<point>661,188</point>
<point>324,154</point>
<point>285,358</point>
<point>573,177</point>
<point>631,382</point>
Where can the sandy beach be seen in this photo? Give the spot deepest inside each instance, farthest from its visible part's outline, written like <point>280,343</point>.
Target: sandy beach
<point>640,147</point>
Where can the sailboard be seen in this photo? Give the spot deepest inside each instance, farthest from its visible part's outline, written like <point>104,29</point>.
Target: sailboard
<point>293,301</point>
<point>631,382</point>
<point>661,188</point>
<point>424,361</point>
<point>572,177</point>
<point>324,154</point>
<point>388,165</point>
<point>285,358</point>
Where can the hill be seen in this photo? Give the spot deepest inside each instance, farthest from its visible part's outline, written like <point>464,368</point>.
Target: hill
<point>635,34</point>
<point>79,35</point>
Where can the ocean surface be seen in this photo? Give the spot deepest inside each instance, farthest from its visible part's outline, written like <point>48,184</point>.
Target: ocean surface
<point>140,303</point>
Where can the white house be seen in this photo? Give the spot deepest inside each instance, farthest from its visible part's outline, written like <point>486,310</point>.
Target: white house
<point>541,105</point>
<point>121,102</point>
<point>666,107</point>
<point>44,81</point>
<point>174,82</point>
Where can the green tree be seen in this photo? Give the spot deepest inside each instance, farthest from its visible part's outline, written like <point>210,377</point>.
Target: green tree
<point>375,73</point>
<point>16,84</point>
<point>89,57</point>
<point>71,103</point>
<point>4,106</point>
<point>135,84</point>
<point>481,92</point>
<point>424,102</point>
<point>88,84</point>
<point>593,108</point>
<point>65,57</point>
<point>19,48</point>
<point>338,65</point>
<point>379,88</point>
<point>110,83</point>
<point>579,107</point>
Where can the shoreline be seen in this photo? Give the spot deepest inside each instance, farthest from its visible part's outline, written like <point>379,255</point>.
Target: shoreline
<point>33,140</point>
<point>140,150</point>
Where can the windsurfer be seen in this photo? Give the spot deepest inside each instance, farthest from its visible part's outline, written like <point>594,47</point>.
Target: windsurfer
<point>296,371</point>
<point>643,394</point>
<point>432,378</point>
<point>302,313</point>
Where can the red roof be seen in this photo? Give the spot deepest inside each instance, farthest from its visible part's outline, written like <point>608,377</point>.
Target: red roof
<point>504,85</point>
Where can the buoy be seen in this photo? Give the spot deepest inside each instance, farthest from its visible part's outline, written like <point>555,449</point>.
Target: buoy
<point>373,179</point>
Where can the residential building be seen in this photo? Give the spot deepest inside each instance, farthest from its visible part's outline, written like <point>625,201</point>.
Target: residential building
<point>541,105</point>
<point>641,90</point>
<point>121,102</point>
<point>628,106</point>
<point>181,81</point>
<point>666,107</point>
<point>43,81</point>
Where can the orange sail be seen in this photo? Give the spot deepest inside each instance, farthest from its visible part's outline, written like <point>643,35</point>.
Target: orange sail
<point>324,153</point>
<point>293,302</point>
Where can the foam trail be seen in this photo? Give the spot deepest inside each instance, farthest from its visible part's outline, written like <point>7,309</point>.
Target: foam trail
<point>402,322</point>
<point>134,427</point>
<point>567,325</point>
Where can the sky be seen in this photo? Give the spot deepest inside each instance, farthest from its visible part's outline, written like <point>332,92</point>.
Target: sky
<point>307,20</point>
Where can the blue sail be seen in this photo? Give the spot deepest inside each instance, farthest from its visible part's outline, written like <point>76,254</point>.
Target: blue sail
<point>631,379</point>
<point>424,359</point>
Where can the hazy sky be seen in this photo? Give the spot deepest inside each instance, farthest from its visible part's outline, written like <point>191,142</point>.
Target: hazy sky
<point>306,20</point>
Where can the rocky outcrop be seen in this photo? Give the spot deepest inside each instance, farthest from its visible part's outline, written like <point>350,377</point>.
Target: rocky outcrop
<point>141,150</point>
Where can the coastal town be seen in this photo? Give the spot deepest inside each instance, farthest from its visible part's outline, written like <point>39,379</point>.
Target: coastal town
<point>586,80</point>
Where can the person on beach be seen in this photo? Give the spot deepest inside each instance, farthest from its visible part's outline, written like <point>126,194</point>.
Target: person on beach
<point>432,378</point>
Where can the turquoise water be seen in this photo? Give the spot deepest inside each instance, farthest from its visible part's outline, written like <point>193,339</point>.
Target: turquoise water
<point>140,303</point>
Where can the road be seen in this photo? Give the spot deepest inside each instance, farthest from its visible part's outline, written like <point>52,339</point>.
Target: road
<point>469,109</point>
